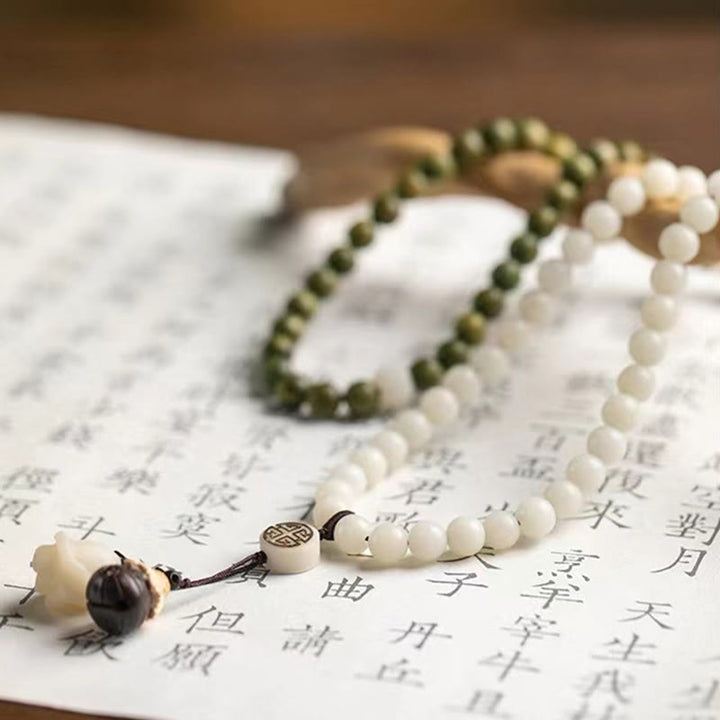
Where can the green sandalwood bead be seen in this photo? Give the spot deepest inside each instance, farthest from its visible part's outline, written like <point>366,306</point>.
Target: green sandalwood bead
<point>341,260</point>
<point>470,327</point>
<point>279,344</point>
<point>468,147</point>
<point>506,275</point>
<point>533,134</point>
<point>363,399</point>
<point>631,151</point>
<point>436,167</point>
<point>524,248</point>
<point>489,302</point>
<point>322,282</point>
<point>501,135</point>
<point>426,373</point>
<point>291,324</point>
<point>563,195</point>
<point>361,233</point>
<point>386,208</point>
<point>322,400</point>
<point>561,146</point>
<point>543,220</point>
<point>580,169</point>
<point>303,304</point>
<point>412,184</point>
<point>289,391</point>
<point>274,368</point>
<point>452,352</point>
<point>604,152</point>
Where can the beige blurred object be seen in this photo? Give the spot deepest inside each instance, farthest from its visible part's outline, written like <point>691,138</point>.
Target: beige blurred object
<point>354,167</point>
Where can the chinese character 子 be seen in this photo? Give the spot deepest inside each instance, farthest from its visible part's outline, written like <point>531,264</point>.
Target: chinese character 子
<point>214,620</point>
<point>457,581</point>
<point>191,526</point>
<point>418,633</point>
<point>310,640</point>
<point>191,657</point>
<point>355,590</point>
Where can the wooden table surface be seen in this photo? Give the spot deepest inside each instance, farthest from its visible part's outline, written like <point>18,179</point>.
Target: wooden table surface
<point>655,83</point>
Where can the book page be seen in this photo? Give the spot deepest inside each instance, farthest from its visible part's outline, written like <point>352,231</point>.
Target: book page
<point>139,275</point>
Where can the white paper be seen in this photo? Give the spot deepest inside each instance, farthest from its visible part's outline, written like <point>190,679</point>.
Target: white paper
<point>138,275</point>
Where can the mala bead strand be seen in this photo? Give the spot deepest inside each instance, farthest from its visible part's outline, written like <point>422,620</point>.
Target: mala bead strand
<point>536,516</point>
<point>393,388</point>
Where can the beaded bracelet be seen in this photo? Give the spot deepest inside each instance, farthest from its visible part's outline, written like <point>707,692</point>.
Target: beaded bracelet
<point>395,387</point>
<point>120,597</point>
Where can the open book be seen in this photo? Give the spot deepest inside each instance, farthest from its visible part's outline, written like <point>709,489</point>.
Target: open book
<point>138,275</point>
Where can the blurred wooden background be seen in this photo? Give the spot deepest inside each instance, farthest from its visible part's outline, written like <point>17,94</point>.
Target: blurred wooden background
<point>284,73</point>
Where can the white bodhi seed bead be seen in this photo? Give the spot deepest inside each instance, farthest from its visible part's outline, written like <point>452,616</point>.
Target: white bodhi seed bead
<point>439,405</point>
<point>578,247</point>
<point>660,178</point>
<point>691,182</point>
<point>351,533</point>
<point>607,443</point>
<point>414,427</point>
<point>565,497</point>
<point>427,540</point>
<point>393,446</point>
<point>587,472</point>
<point>679,243</point>
<point>465,536</point>
<point>601,219</point>
<point>620,411</point>
<point>700,213</point>
<point>626,195</point>
<point>352,474</point>
<point>372,461</point>
<point>396,387</point>
<point>326,507</point>
<point>713,186</point>
<point>338,489</point>
<point>388,543</point>
<point>536,517</point>
<point>463,382</point>
<point>637,381</point>
<point>555,276</point>
<point>491,363</point>
<point>501,530</point>
<point>512,335</point>
<point>647,347</point>
<point>668,278</point>
<point>538,307</point>
<point>659,312</point>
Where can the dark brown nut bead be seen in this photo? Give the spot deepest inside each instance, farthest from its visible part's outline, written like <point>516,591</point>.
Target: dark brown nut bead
<point>386,208</point>
<point>501,135</point>
<point>436,167</point>
<point>323,401</point>
<point>322,282</point>
<point>524,248</point>
<point>426,373</point>
<point>580,169</point>
<point>470,327</point>
<point>490,302</point>
<point>119,598</point>
<point>363,399</point>
<point>603,152</point>
<point>631,151</point>
<point>452,352</point>
<point>543,220</point>
<point>561,146</point>
<point>362,233</point>
<point>412,184</point>
<point>533,134</point>
<point>506,275</point>
<point>289,391</point>
<point>563,195</point>
<point>468,147</point>
<point>341,260</point>
<point>291,325</point>
<point>303,304</point>
<point>279,344</point>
